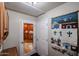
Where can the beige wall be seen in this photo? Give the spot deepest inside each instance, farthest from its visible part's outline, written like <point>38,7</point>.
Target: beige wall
<point>44,22</point>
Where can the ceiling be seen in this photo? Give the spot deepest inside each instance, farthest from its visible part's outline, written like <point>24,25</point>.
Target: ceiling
<point>30,8</point>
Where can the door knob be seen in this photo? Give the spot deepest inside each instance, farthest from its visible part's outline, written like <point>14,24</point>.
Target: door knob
<point>22,42</point>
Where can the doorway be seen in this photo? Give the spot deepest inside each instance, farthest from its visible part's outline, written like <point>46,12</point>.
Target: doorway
<point>28,37</point>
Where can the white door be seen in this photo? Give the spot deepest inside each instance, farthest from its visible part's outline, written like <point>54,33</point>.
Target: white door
<point>42,36</point>
<point>21,40</point>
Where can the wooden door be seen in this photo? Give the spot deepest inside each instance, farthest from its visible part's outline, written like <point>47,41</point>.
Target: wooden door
<point>4,22</point>
<point>28,32</point>
<point>1,22</point>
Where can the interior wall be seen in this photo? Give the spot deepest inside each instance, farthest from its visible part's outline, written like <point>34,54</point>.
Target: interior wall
<point>14,28</point>
<point>44,22</point>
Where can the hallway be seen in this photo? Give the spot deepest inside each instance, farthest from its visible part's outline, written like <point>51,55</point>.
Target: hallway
<point>41,29</point>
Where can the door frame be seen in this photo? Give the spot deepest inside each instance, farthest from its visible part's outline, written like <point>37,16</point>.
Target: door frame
<point>21,38</point>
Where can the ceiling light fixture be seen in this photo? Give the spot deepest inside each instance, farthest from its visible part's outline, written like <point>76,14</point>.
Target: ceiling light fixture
<point>33,3</point>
